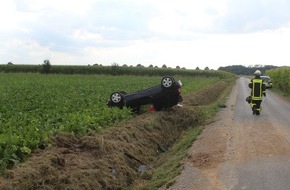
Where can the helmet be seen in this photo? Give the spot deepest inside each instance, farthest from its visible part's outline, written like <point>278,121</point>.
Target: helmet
<point>257,73</point>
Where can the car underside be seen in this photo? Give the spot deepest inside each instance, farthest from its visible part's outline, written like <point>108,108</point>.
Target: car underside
<point>162,96</point>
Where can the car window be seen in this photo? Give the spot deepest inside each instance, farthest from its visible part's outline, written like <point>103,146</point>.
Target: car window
<point>266,79</point>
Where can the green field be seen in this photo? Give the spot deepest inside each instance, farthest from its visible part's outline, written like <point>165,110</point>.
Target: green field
<point>281,79</point>
<point>35,107</point>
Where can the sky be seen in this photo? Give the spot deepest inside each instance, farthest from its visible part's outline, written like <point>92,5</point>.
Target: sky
<point>184,33</point>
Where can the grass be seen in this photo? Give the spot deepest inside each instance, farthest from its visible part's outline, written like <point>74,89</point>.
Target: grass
<point>278,91</point>
<point>169,165</point>
<point>35,107</point>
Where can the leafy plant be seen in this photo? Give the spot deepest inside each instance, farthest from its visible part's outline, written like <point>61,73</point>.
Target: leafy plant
<point>280,78</point>
<point>34,107</point>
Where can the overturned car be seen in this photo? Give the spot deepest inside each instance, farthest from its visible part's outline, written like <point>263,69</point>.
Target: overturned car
<point>163,96</point>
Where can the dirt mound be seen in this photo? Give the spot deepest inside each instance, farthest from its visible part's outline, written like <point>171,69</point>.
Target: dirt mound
<point>112,159</point>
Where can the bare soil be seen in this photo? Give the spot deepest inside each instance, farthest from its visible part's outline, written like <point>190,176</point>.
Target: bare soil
<point>207,153</point>
<point>115,158</point>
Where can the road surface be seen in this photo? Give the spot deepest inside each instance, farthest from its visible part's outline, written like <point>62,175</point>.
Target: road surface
<point>241,150</point>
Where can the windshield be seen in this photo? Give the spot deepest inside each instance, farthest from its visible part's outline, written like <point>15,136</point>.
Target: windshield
<point>266,78</point>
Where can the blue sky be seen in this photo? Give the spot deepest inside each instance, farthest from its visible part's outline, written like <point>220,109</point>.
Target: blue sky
<point>185,33</point>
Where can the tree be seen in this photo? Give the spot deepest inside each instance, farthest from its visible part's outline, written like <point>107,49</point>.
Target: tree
<point>164,66</point>
<point>197,68</point>
<point>206,68</point>
<point>177,67</point>
<point>243,70</point>
<point>46,67</point>
<point>115,68</point>
<point>9,63</point>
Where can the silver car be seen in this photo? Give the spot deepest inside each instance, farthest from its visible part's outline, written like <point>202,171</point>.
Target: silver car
<point>267,81</point>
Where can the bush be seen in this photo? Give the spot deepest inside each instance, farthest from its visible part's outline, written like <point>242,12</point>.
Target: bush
<point>280,78</point>
<point>46,66</point>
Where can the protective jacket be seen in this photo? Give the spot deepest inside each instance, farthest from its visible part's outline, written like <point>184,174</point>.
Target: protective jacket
<point>258,88</point>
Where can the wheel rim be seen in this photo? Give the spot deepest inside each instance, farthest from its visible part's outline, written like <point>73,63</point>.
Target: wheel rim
<point>116,97</point>
<point>167,82</point>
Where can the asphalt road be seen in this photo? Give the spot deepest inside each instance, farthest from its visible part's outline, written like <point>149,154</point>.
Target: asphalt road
<point>265,160</point>
<point>241,150</point>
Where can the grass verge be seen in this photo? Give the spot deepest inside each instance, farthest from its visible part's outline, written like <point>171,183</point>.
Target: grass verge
<point>284,94</point>
<point>169,165</point>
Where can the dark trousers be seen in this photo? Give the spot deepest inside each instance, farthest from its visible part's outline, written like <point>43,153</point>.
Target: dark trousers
<point>256,103</point>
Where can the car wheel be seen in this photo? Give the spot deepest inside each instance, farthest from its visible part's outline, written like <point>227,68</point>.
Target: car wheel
<point>117,99</point>
<point>167,82</point>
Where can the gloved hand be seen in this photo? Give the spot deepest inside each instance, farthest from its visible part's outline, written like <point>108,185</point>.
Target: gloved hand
<point>264,94</point>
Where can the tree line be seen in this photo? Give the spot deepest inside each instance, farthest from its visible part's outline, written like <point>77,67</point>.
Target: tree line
<point>114,69</point>
<point>243,70</point>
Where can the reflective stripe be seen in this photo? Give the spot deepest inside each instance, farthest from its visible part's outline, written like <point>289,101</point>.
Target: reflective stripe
<point>257,90</point>
<point>252,105</point>
<point>264,90</point>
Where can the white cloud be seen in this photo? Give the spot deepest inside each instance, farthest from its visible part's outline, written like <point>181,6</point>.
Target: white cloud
<point>255,15</point>
<point>191,16</point>
<point>185,33</point>
<point>86,36</point>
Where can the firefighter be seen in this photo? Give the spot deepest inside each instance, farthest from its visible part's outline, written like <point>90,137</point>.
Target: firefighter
<point>258,89</point>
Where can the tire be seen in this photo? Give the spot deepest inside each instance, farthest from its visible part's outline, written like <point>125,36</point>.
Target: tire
<point>117,99</point>
<point>167,82</point>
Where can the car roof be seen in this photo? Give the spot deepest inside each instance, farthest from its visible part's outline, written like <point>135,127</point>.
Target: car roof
<point>265,77</point>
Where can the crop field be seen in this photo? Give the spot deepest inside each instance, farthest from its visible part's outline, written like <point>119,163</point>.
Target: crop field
<point>36,106</point>
<point>280,78</point>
